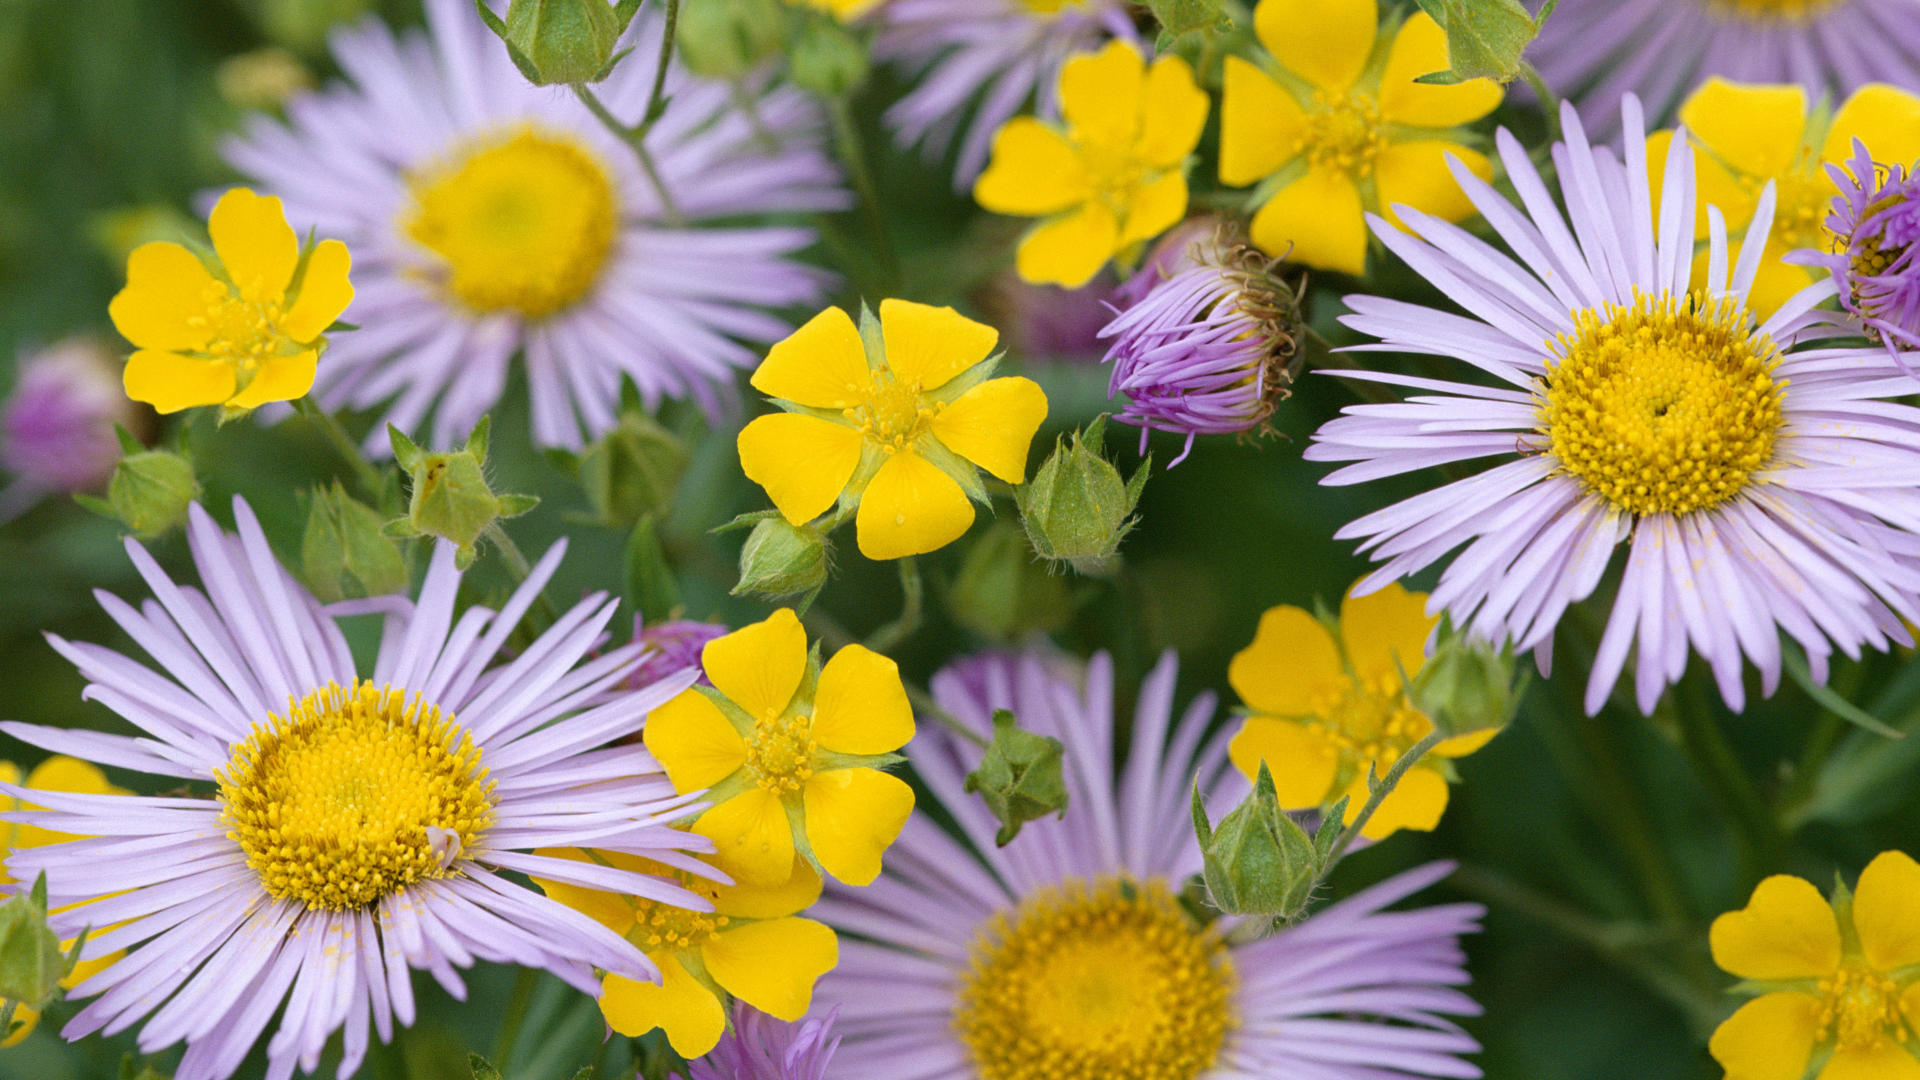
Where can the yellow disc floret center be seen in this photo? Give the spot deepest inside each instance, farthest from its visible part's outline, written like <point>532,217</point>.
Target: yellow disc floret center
<point>1096,981</point>
<point>662,927</point>
<point>522,223</point>
<point>1665,407</point>
<point>1343,132</point>
<point>245,320</point>
<point>1859,1007</point>
<point>780,753</point>
<point>354,795</point>
<point>1801,202</point>
<point>894,415</point>
<point>1372,721</point>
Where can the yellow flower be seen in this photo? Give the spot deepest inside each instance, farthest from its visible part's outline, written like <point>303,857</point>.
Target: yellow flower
<point>1839,976</point>
<point>1322,713</point>
<point>1750,134</point>
<point>1334,126</point>
<point>751,946</point>
<point>790,753</point>
<point>57,773</point>
<point>894,418</point>
<point>1113,179</point>
<point>238,328</point>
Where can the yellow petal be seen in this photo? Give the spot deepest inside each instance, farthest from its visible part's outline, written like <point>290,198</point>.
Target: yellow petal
<point>804,462</point>
<point>1786,931</point>
<point>693,741</point>
<point>325,292</point>
<point>165,303</point>
<point>170,382</point>
<point>1778,281</point>
<point>62,773</point>
<point>1461,745</point>
<point>1884,1060</point>
<point>1416,802</point>
<point>1420,48</point>
<point>1033,171</point>
<point>1291,665</point>
<point>822,365</point>
<point>1770,1038</point>
<point>1886,911</point>
<point>910,508</point>
<point>1415,174</point>
<point>255,244</point>
<point>852,817</point>
<point>1100,95</point>
<point>1325,42</point>
<point>1755,129</point>
<point>772,965</point>
<point>1386,632</point>
<point>861,706</point>
<point>797,893</point>
<point>927,346</point>
<point>1175,112</point>
<point>280,379</point>
<point>1316,221</point>
<point>1155,208</point>
<point>1261,125</point>
<point>758,667</point>
<point>754,842</point>
<point>1884,117</point>
<point>1301,758</point>
<point>992,425</point>
<point>1070,249</point>
<point>612,911</point>
<point>681,1005</point>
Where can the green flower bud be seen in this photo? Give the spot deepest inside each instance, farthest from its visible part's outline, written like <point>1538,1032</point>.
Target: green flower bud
<point>1467,685</point>
<point>1020,778</point>
<point>1003,594</point>
<point>828,59</point>
<point>561,41</point>
<point>779,559</point>
<point>150,490</point>
<point>724,39</point>
<point>1257,861</point>
<point>451,498</point>
<point>1485,38</point>
<point>346,552</point>
<point>31,964</point>
<point>632,471</point>
<point>1077,509</point>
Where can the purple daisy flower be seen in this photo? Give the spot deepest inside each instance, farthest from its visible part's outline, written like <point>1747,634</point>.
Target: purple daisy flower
<point>362,827</point>
<point>1002,51</point>
<point>1597,50</point>
<point>1877,218</point>
<point>1759,477</point>
<point>56,428</point>
<point>759,1047</point>
<point>1067,954</point>
<point>672,647</point>
<point>490,217</point>
<point>1210,349</point>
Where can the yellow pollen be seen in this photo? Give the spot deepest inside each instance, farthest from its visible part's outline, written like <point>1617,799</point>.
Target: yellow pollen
<point>245,320</point>
<point>1665,407</point>
<point>1371,722</point>
<point>1096,981</point>
<point>780,753</point>
<point>1343,132</point>
<point>893,416</point>
<point>521,223</point>
<point>1772,10</point>
<point>1859,1008</point>
<point>354,795</point>
<point>1801,202</point>
<point>659,927</point>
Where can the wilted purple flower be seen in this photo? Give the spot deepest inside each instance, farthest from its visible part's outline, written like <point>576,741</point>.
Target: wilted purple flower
<point>1877,218</point>
<point>56,429</point>
<point>1211,347</point>
<point>672,646</point>
<point>760,1047</point>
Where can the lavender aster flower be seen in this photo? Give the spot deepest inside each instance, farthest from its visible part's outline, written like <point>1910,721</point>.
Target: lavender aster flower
<point>672,647</point>
<point>56,428</point>
<point>760,1047</point>
<point>1066,955</point>
<point>362,827</point>
<point>489,217</point>
<point>1876,216</point>
<point>1758,476</point>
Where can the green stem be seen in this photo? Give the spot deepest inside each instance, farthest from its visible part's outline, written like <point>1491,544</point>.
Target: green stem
<point>514,1018</point>
<point>846,141</point>
<point>1549,101</point>
<point>1706,746</point>
<point>1377,793</point>
<point>635,137</point>
<point>517,563</point>
<point>656,96</point>
<point>893,633</point>
<point>371,482</point>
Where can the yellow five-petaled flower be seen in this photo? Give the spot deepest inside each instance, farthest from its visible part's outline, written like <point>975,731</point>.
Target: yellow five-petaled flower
<point>894,419</point>
<point>1113,179</point>
<point>240,328</point>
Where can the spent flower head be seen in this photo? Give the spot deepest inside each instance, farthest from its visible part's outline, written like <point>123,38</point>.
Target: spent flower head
<point>1875,222</point>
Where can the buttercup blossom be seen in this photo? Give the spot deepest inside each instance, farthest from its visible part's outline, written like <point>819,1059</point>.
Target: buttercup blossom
<point>761,1048</point>
<point>1331,126</point>
<point>362,825</point>
<point>901,430</point>
<point>1066,955</point>
<point>1113,178</point>
<point>1839,977</point>
<point>1324,713</point>
<point>789,754</point>
<point>1760,479</point>
<point>241,330</point>
<point>493,218</point>
<point>1755,135</point>
<point>1876,221</point>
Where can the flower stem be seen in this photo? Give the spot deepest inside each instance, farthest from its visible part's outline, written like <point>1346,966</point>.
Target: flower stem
<point>846,141</point>
<point>635,136</point>
<point>893,633</point>
<point>1549,101</point>
<point>1377,794</point>
<point>1706,747</point>
<point>371,482</point>
<point>515,1016</point>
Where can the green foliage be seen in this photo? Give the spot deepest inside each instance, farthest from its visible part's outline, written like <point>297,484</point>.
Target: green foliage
<point>828,59</point>
<point>1020,777</point>
<point>1486,39</point>
<point>345,552</point>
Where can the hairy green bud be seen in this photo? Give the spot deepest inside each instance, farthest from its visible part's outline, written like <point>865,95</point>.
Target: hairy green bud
<point>561,41</point>
<point>1003,593</point>
<point>725,39</point>
<point>150,490</point>
<point>31,963</point>
<point>1020,778</point>
<point>345,552</point>
<point>1077,509</point>
<point>1257,860</point>
<point>779,559</point>
<point>828,59</point>
<point>451,498</point>
<point>1467,684</point>
<point>1486,39</point>
<point>632,471</point>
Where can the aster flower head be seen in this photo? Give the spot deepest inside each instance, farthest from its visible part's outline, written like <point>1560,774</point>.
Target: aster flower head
<point>672,646</point>
<point>56,427</point>
<point>1839,978</point>
<point>285,887</point>
<point>1066,954</point>
<point>1329,126</point>
<point>1757,474</point>
<point>493,218</point>
<point>1876,219</point>
<point>1210,349</point>
<point>761,1047</point>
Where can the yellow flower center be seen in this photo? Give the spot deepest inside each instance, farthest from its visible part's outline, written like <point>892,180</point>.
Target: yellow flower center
<point>1372,721</point>
<point>663,928</point>
<point>1773,10</point>
<point>522,223</point>
<point>245,325</point>
<point>780,753</point>
<point>1666,407</point>
<point>1859,1007</point>
<point>1343,132</point>
<point>1801,202</point>
<point>893,416</point>
<point>354,795</point>
<point>1106,981</point>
